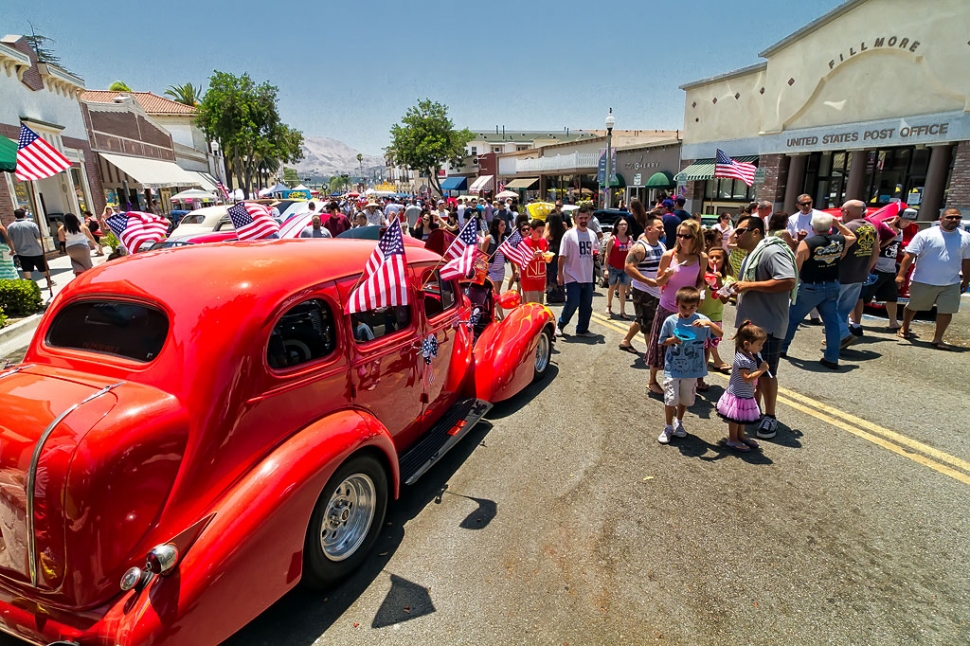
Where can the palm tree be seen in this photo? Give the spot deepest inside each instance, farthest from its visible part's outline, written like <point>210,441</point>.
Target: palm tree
<point>119,86</point>
<point>186,94</point>
<point>360,162</point>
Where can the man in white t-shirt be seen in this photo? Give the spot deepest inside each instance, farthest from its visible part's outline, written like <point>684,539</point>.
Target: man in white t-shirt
<point>800,224</point>
<point>941,253</point>
<point>576,261</point>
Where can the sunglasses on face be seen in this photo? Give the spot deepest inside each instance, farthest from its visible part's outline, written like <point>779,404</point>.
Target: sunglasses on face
<point>953,217</point>
<point>685,236</point>
<point>741,230</point>
<point>804,204</point>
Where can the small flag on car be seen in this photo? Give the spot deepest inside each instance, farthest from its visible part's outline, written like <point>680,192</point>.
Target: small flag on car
<point>384,283</point>
<point>252,221</point>
<point>136,229</point>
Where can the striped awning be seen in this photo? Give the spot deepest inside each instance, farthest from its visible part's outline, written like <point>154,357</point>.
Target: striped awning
<point>480,183</point>
<point>704,169</point>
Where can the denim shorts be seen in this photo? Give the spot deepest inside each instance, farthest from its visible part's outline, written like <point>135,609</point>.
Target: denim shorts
<point>619,277</point>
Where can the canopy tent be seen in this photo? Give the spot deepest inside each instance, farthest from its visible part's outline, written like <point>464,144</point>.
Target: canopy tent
<point>300,187</point>
<point>192,194</point>
<point>454,184</point>
<point>480,183</point>
<point>506,194</point>
<point>279,188</point>
<point>523,183</point>
<point>8,155</point>
<point>661,179</point>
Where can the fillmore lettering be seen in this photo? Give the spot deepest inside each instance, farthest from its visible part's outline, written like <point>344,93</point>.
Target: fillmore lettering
<point>894,42</point>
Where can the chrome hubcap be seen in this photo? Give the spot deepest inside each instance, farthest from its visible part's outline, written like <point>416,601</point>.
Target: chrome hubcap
<point>348,517</point>
<point>542,353</point>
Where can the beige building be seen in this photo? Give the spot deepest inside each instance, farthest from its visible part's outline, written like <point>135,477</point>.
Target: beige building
<point>871,101</point>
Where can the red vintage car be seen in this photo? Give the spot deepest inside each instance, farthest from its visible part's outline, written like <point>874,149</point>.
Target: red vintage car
<point>194,432</point>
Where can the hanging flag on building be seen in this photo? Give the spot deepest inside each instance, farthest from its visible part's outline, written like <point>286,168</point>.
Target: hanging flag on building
<point>728,168</point>
<point>515,249</point>
<point>460,254</point>
<point>384,283</point>
<point>252,221</point>
<point>37,159</point>
<point>222,189</point>
<point>135,228</point>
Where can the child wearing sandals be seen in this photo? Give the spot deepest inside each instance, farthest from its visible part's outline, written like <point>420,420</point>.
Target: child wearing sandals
<point>737,406</point>
<point>712,306</point>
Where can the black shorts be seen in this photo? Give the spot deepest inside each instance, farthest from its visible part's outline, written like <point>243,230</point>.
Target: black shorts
<point>771,352</point>
<point>32,263</point>
<point>644,309</point>
<point>883,290</point>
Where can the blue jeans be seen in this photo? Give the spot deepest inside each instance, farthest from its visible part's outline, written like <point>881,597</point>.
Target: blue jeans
<point>825,298</point>
<point>848,297</point>
<point>578,295</point>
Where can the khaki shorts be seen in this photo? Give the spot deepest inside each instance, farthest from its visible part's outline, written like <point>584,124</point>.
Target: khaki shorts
<point>679,392</point>
<point>923,297</point>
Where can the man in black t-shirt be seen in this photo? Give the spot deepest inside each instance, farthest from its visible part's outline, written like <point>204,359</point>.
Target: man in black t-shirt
<point>819,258</point>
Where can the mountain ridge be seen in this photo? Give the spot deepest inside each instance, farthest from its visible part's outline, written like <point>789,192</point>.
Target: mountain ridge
<point>324,157</point>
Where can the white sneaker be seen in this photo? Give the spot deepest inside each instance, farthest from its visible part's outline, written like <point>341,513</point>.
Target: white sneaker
<point>679,429</point>
<point>666,434</point>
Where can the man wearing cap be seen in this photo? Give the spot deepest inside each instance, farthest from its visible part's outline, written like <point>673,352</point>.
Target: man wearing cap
<point>671,222</point>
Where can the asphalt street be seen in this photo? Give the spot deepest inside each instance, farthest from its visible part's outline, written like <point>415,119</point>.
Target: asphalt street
<point>561,520</point>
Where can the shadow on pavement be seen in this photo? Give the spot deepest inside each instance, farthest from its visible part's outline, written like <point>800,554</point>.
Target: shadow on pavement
<point>694,447</point>
<point>815,366</point>
<point>307,614</point>
<point>516,403</point>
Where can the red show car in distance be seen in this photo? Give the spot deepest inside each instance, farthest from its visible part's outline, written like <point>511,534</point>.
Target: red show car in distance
<point>193,433</point>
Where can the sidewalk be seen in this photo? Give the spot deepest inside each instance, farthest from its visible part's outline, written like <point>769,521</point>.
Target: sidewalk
<point>18,334</point>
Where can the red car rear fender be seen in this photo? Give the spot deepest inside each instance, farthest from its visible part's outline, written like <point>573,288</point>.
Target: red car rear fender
<point>504,355</point>
<point>251,553</point>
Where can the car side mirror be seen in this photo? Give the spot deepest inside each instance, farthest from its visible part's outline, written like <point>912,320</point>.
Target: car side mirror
<point>509,300</point>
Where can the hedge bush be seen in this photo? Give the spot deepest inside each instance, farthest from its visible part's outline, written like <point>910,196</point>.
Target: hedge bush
<point>19,297</point>
<point>3,318</point>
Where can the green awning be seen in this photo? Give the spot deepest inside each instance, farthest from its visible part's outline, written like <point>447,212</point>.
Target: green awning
<point>704,169</point>
<point>661,179</point>
<point>8,155</point>
<point>617,181</point>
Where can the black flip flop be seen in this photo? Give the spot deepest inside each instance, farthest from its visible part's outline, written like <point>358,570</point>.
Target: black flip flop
<point>628,348</point>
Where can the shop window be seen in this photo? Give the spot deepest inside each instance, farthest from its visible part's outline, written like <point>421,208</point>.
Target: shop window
<point>304,333</point>
<point>896,173</point>
<point>79,189</point>
<point>439,295</point>
<point>373,324</point>
<point>825,178</point>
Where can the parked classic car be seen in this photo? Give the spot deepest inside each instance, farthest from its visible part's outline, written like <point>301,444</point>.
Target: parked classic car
<point>194,432</point>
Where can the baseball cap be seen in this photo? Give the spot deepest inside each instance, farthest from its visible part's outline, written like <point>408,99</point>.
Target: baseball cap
<point>668,203</point>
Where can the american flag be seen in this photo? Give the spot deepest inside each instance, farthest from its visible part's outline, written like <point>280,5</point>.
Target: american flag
<point>37,159</point>
<point>223,191</point>
<point>429,350</point>
<point>726,167</point>
<point>292,228</point>
<point>384,283</point>
<point>515,249</point>
<point>461,253</point>
<point>135,228</point>
<point>252,221</point>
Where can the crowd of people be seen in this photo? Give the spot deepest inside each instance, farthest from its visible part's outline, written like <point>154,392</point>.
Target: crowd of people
<point>778,269</point>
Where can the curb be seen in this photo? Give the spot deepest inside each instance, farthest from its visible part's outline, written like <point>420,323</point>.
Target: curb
<point>23,325</point>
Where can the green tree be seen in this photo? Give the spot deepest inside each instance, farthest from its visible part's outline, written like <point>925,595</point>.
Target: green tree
<point>41,46</point>
<point>244,118</point>
<point>186,94</point>
<point>426,140</point>
<point>119,86</point>
<point>290,176</point>
<point>339,183</point>
<point>360,163</point>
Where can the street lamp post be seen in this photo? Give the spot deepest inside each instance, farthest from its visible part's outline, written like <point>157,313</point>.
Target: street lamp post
<point>610,121</point>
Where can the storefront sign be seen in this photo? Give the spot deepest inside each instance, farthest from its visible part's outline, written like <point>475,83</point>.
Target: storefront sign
<point>890,42</point>
<point>637,179</point>
<point>639,164</point>
<point>868,136</point>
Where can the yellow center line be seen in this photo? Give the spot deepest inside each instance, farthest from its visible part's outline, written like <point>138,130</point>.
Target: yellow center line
<point>878,435</point>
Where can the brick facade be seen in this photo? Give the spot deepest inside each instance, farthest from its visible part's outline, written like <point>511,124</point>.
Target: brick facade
<point>93,171</point>
<point>6,201</point>
<point>959,194</point>
<point>695,190</point>
<point>775,168</point>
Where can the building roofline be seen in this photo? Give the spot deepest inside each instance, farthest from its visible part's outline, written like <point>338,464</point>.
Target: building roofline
<point>652,144</point>
<point>818,23</point>
<point>757,67</point>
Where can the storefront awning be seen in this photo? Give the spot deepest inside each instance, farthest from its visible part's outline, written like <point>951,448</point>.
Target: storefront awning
<point>480,183</point>
<point>8,155</point>
<point>205,181</point>
<point>152,173</point>
<point>704,169</point>
<point>661,179</point>
<point>454,184</point>
<point>524,183</point>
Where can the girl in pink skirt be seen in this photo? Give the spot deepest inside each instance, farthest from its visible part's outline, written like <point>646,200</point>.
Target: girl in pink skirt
<point>737,406</point>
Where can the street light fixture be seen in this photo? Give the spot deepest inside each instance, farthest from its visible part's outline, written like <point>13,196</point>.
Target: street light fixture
<point>610,122</point>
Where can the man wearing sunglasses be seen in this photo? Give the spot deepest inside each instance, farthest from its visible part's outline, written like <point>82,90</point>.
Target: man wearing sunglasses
<point>942,253</point>
<point>800,224</point>
<point>765,286</point>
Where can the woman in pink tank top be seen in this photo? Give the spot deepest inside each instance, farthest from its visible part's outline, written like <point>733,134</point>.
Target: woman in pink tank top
<point>682,266</point>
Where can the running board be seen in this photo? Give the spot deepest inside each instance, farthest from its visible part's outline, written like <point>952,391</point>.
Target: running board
<point>442,437</point>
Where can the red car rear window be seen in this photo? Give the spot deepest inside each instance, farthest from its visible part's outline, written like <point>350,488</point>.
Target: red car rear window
<point>128,330</point>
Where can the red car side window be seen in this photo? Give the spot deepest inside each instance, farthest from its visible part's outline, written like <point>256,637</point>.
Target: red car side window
<point>373,324</point>
<point>304,333</point>
<point>439,295</point>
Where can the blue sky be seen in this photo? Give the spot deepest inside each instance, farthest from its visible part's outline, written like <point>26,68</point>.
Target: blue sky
<point>349,70</point>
